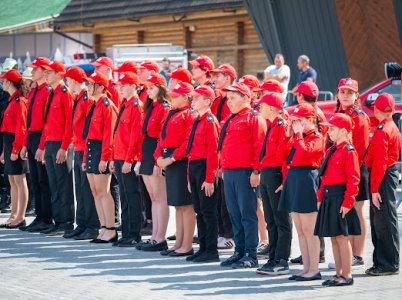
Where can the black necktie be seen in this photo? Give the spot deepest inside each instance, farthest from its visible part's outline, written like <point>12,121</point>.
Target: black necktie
<point>119,117</point>
<point>164,127</point>
<point>74,109</point>
<point>88,121</point>
<point>324,164</point>
<point>291,154</point>
<point>192,134</point>
<point>219,110</point>
<point>146,120</point>
<point>223,132</point>
<point>29,117</point>
<point>264,145</point>
<point>49,102</point>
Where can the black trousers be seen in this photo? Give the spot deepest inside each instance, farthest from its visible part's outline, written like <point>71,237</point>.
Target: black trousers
<point>224,224</point>
<point>279,223</point>
<point>114,190</point>
<point>86,216</point>
<point>61,186</point>
<point>384,224</point>
<point>205,207</point>
<point>130,197</point>
<point>39,180</point>
<point>145,199</point>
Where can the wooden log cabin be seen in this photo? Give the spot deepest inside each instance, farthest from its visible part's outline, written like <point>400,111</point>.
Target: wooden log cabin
<point>220,29</point>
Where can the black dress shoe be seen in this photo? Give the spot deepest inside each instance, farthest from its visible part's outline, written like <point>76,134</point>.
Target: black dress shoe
<point>128,242</point>
<point>88,234</point>
<point>154,246</point>
<point>11,226</point>
<point>61,230</point>
<point>74,233</point>
<point>194,256</point>
<point>120,240</point>
<point>297,260</point>
<point>50,229</point>
<point>142,244</point>
<point>178,254</point>
<point>33,223</point>
<point>41,226</point>
<point>166,252</point>
<point>314,277</point>
<point>207,257</point>
<point>293,277</point>
<point>4,225</point>
<point>171,238</point>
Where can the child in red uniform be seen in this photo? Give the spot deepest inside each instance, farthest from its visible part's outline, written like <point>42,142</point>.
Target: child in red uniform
<point>299,190</point>
<point>348,102</point>
<point>13,127</point>
<point>202,143</point>
<point>201,68</point>
<point>382,156</point>
<point>170,155</point>
<point>98,134</point>
<point>337,218</point>
<point>156,108</point>
<point>126,148</point>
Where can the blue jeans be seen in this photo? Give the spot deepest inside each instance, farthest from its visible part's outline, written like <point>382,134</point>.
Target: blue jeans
<point>241,201</point>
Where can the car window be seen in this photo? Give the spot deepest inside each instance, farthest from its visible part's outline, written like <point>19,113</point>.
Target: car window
<point>394,89</point>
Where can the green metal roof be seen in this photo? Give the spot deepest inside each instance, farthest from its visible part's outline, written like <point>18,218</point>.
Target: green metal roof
<point>17,13</point>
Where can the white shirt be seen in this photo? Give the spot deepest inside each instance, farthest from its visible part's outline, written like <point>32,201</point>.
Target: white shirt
<point>285,70</point>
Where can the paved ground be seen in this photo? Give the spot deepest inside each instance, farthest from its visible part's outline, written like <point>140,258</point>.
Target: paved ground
<point>33,266</point>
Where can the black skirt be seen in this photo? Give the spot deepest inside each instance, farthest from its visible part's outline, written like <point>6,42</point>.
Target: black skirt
<point>329,221</point>
<point>299,191</point>
<point>148,161</point>
<point>364,190</point>
<point>176,181</point>
<point>17,167</point>
<point>93,158</point>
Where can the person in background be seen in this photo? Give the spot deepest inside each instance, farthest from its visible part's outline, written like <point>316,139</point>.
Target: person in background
<point>307,73</point>
<point>201,68</point>
<point>280,72</point>
<point>166,69</point>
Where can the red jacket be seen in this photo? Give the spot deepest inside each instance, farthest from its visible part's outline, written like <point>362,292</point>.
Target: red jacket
<point>277,146</point>
<point>58,124</point>
<point>220,108</point>
<point>360,131</point>
<point>39,107</point>
<point>156,120</point>
<point>178,128</point>
<point>127,137</point>
<point>14,120</point>
<point>82,103</point>
<point>383,152</point>
<point>102,124</point>
<point>342,168</point>
<point>205,144</point>
<point>243,141</point>
<point>309,149</point>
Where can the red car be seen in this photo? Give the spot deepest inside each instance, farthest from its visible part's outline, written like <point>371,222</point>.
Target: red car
<point>391,85</point>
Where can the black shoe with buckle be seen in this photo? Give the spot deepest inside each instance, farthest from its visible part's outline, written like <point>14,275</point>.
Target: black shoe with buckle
<point>154,246</point>
<point>128,242</point>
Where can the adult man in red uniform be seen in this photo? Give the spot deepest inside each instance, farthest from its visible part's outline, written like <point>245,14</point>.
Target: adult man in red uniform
<point>382,156</point>
<point>86,216</point>
<point>35,123</point>
<point>55,141</point>
<point>241,169</point>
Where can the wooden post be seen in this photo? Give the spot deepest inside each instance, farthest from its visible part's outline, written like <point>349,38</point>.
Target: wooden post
<point>188,37</point>
<point>239,53</point>
<point>97,43</point>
